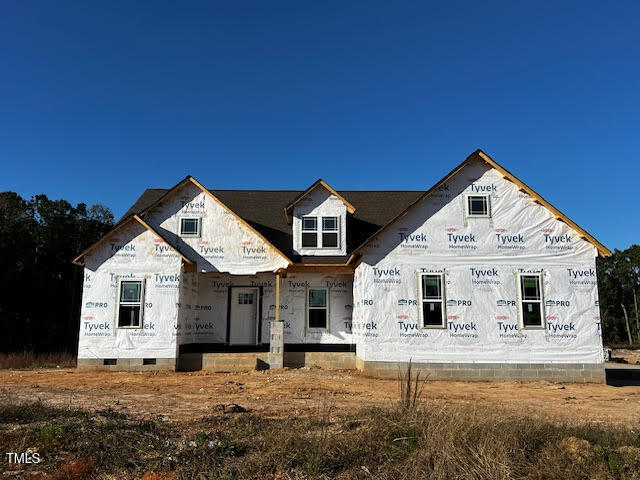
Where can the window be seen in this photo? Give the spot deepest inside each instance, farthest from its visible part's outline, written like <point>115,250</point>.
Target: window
<point>330,232</point>
<point>531,300</point>
<point>328,237</point>
<point>130,304</point>
<point>310,232</point>
<point>245,298</point>
<point>431,293</point>
<point>189,227</point>
<point>317,308</point>
<point>478,206</point>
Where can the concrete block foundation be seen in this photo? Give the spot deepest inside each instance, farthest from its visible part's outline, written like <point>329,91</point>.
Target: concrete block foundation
<point>244,362</point>
<point>554,372</point>
<point>127,364</point>
<point>335,360</point>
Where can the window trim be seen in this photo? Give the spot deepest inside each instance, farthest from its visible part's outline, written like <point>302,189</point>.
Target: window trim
<point>198,234</point>
<point>443,299</point>
<point>303,230</point>
<point>140,303</point>
<point>521,300</point>
<point>243,298</point>
<point>336,231</point>
<point>325,308</point>
<point>320,231</point>
<point>473,215</point>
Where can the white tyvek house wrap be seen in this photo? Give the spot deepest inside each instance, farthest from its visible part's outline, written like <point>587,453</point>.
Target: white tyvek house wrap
<point>225,245</point>
<point>133,252</point>
<point>187,328</point>
<point>293,299</point>
<point>480,259</point>
<point>205,317</point>
<point>319,203</point>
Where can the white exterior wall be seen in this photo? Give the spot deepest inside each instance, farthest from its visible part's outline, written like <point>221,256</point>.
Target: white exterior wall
<point>206,318</point>
<point>293,302</point>
<point>130,253</point>
<point>320,203</point>
<point>480,258</point>
<point>225,245</point>
<point>172,312</point>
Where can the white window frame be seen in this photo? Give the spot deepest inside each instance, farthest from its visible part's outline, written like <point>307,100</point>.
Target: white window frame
<point>315,231</point>
<point>243,298</point>
<point>521,301</point>
<point>320,231</point>
<point>190,235</point>
<point>325,308</point>
<point>140,303</point>
<point>473,215</point>
<point>336,231</point>
<point>422,301</point>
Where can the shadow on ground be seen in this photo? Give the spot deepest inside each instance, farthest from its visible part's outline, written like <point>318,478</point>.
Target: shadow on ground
<point>623,376</point>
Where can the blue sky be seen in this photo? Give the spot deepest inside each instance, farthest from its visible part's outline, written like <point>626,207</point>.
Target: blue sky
<point>99,100</point>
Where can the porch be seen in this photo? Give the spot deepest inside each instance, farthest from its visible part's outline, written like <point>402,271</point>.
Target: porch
<point>296,317</point>
<point>221,362</point>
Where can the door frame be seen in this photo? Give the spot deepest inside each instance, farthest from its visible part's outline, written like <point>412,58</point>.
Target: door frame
<point>258,309</point>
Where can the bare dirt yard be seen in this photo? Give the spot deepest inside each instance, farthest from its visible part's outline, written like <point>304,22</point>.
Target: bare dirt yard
<point>310,423</point>
<point>177,397</point>
<point>625,355</point>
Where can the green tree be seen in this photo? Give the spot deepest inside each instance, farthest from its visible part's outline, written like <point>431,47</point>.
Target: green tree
<point>619,288</point>
<point>40,305</point>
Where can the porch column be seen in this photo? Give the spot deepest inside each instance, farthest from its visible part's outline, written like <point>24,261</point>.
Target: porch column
<point>276,338</point>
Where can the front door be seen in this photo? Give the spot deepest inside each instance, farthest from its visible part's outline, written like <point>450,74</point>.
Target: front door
<point>243,325</point>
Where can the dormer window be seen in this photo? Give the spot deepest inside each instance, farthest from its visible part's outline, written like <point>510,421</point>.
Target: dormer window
<point>320,232</point>
<point>310,232</point>
<point>330,232</point>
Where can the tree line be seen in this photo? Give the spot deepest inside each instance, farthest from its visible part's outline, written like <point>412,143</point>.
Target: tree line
<point>619,287</point>
<point>42,289</point>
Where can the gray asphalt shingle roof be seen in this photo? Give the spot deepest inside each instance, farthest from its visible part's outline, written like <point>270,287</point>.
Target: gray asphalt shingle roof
<point>264,211</point>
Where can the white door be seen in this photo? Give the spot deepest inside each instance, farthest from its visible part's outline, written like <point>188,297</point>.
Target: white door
<point>243,328</point>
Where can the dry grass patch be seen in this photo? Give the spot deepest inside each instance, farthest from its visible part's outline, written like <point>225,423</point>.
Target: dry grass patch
<point>36,360</point>
<point>425,441</point>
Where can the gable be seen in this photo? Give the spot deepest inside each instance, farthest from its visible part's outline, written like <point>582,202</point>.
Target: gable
<point>134,246</point>
<point>437,226</point>
<point>318,185</point>
<point>123,242</point>
<point>226,242</point>
<point>320,203</point>
<point>442,192</point>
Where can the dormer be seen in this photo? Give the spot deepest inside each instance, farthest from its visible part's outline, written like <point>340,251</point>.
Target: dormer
<point>319,221</point>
